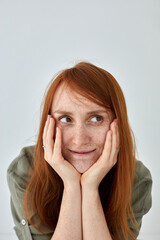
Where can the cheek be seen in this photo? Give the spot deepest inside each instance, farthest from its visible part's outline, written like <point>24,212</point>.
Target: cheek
<point>99,134</point>
<point>100,138</point>
<point>65,136</point>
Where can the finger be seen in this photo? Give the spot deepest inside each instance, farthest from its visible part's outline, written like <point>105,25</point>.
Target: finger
<point>51,126</point>
<point>57,144</point>
<point>114,142</point>
<point>45,130</point>
<point>118,138</point>
<point>107,146</point>
<point>117,132</point>
<point>49,138</point>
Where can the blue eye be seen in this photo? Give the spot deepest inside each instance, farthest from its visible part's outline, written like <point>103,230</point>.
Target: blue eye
<point>99,118</point>
<point>66,119</point>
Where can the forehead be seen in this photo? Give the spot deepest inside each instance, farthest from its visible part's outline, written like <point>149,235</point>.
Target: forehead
<point>65,98</point>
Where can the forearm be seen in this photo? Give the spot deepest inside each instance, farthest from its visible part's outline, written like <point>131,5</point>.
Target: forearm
<point>69,225</point>
<point>93,219</point>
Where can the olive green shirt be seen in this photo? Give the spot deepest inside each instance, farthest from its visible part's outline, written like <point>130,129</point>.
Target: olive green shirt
<point>17,177</point>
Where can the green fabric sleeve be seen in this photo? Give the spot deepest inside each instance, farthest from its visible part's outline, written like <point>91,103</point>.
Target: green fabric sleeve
<point>141,195</point>
<point>16,178</point>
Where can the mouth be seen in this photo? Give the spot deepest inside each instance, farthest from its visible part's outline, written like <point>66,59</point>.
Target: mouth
<point>82,153</point>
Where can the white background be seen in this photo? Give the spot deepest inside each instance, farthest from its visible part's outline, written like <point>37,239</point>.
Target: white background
<point>39,38</point>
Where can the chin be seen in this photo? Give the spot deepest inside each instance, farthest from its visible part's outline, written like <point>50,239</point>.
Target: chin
<point>82,166</point>
<point>82,170</point>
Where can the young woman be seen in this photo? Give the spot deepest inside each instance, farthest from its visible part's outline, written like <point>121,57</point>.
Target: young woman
<point>81,180</point>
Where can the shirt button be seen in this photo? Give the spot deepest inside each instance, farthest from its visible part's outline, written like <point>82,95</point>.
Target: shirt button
<point>23,222</point>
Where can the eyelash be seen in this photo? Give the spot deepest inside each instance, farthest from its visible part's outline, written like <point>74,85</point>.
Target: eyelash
<point>70,118</point>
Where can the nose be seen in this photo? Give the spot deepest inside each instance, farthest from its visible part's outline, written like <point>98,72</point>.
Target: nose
<point>80,136</point>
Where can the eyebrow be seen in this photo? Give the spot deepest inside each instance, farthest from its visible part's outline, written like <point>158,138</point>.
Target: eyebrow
<point>88,113</point>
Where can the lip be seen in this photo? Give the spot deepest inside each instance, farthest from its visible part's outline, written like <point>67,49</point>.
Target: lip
<point>82,153</point>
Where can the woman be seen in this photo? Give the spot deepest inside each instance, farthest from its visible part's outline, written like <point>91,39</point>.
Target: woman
<point>81,180</point>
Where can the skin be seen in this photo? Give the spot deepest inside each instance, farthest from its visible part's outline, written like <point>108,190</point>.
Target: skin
<point>80,131</point>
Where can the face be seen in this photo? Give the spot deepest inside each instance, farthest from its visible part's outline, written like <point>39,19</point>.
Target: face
<point>83,124</point>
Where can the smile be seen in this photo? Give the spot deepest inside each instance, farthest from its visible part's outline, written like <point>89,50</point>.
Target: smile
<point>82,153</point>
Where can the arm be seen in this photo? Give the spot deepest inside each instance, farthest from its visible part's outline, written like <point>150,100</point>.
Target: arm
<point>93,218</point>
<point>69,221</point>
<point>69,225</point>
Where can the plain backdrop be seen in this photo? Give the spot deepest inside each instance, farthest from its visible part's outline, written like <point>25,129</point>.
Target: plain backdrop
<point>39,38</point>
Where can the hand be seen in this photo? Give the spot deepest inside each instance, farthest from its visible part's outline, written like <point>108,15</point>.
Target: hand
<point>94,175</point>
<point>53,155</point>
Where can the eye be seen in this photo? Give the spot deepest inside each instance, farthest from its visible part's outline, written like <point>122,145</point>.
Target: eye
<point>97,118</point>
<point>64,119</point>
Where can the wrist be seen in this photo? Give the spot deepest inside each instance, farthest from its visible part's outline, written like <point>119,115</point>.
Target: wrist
<point>88,184</point>
<point>90,188</point>
<point>72,186</point>
<point>92,194</point>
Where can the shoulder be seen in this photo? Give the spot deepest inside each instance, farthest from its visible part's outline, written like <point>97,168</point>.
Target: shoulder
<point>141,195</point>
<point>18,174</point>
<point>142,186</point>
<point>142,172</point>
<point>142,176</point>
<point>19,167</point>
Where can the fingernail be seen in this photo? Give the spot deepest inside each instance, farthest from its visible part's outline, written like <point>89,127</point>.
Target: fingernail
<point>47,117</point>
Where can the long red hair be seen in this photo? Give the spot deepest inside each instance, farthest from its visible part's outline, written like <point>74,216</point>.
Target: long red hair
<point>44,191</point>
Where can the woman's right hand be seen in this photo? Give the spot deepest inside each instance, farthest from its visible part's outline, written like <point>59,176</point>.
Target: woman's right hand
<point>53,154</point>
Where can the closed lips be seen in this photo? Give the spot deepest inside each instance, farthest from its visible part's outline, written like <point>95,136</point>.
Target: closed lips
<point>82,152</point>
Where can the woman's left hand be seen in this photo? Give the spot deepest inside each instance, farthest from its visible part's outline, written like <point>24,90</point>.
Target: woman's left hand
<point>94,175</point>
